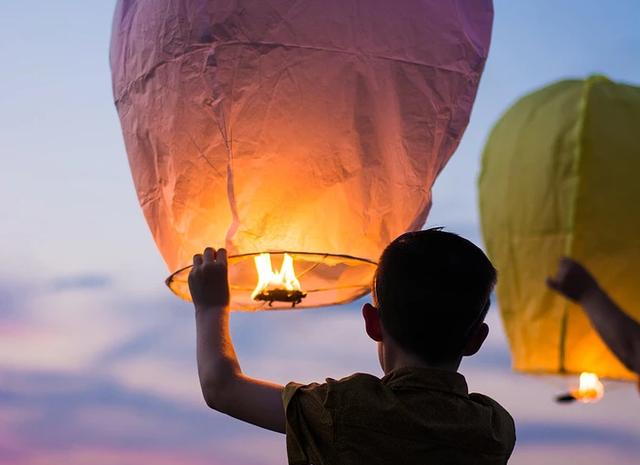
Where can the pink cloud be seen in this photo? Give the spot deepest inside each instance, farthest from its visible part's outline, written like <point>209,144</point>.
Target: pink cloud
<point>106,456</point>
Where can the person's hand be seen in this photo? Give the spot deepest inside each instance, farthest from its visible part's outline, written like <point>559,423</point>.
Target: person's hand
<point>573,280</point>
<point>208,281</point>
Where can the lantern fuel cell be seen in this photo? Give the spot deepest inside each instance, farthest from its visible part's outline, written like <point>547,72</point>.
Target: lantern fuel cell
<point>590,390</point>
<point>314,129</point>
<point>281,286</point>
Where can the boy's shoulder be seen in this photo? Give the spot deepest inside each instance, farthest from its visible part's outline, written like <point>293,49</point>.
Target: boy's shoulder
<point>364,388</point>
<point>412,406</point>
<point>419,381</point>
<point>491,403</point>
<point>354,381</point>
<point>332,390</point>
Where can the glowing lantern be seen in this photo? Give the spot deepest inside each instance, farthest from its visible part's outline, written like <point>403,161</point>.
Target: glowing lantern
<point>312,128</point>
<point>560,177</point>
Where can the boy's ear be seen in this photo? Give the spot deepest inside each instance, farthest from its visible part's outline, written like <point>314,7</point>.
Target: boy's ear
<point>475,341</point>
<point>372,324</point>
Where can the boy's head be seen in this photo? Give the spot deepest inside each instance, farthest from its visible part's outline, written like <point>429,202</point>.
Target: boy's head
<point>431,290</point>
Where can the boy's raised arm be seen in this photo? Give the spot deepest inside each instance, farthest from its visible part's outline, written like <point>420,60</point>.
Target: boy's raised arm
<point>224,387</point>
<point>618,330</point>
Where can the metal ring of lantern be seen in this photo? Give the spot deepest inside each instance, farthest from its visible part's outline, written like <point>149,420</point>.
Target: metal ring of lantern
<point>317,273</point>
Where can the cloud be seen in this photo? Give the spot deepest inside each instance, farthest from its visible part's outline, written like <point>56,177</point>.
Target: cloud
<point>11,294</point>
<point>83,418</point>
<point>80,455</point>
<point>55,412</point>
<point>81,281</point>
<point>111,376</point>
<point>158,341</point>
<point>577,435</point>
<point>491,357</point>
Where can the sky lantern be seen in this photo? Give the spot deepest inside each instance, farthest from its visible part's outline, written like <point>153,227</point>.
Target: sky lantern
<point>301,136</point>
<point>560,177</point>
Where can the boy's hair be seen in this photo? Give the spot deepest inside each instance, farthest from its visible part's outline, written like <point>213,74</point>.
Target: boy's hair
<point>432,289</point>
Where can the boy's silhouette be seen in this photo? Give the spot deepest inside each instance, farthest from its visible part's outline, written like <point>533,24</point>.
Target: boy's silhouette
<point>431,294</point>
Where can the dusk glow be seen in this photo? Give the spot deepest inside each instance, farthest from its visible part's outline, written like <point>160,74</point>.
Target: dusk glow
<point>97,355</point>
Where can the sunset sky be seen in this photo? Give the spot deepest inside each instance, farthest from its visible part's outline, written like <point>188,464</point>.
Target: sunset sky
<point>97,361</point>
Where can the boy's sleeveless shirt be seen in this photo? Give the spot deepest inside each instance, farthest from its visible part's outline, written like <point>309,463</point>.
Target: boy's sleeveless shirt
<point>411,416</point>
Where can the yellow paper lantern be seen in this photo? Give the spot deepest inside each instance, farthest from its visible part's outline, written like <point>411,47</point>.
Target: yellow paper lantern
<point>310,130</point>
<point>560,177</point>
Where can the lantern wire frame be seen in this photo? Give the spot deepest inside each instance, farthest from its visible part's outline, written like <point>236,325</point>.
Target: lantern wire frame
<point>326,279</point>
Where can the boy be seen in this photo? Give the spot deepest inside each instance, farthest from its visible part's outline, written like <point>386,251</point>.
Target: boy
<point>431,293</point>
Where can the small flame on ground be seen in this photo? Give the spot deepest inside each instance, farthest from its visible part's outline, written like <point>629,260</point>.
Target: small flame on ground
<point>590,390</point>
<point>268,279</point>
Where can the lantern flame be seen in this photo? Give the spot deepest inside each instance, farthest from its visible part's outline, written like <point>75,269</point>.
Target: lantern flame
<point>282,285</point>
<point>590,390</point>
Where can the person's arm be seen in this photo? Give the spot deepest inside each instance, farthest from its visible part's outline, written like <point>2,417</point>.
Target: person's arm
<point>224,387</point>
<point>618,330</point>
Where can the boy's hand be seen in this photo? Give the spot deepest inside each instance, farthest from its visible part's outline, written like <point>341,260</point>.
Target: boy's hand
<point>208,281</point>
<point>224,387</point>
<point>573,280</point>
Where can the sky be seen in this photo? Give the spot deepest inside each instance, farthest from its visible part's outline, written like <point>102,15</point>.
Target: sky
<point>97,360</point>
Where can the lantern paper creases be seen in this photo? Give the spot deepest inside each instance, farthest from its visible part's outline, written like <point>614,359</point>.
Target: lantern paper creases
<point>560,177</point>
<point>316,127</point>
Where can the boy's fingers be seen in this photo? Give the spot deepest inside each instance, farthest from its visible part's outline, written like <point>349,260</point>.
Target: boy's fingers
<point>197,260</point>
<point>553,284</point>
<point>221,256</point>
<point>209,255</point>
<point>569,265</point>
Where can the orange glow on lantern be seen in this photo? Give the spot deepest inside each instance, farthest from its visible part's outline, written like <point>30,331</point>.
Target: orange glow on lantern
<point>322,145</point>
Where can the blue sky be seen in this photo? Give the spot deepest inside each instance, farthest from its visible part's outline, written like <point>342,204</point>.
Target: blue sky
<point>97,357</point>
